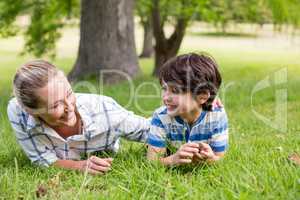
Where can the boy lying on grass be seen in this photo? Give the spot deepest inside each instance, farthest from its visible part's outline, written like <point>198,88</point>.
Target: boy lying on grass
<point>190,121</point>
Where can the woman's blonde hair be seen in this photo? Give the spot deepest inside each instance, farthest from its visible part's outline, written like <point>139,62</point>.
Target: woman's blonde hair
<point>31,76</point>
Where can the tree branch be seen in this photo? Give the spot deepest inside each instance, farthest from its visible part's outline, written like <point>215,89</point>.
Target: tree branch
<point>158,30</point>
<point>176,38</point>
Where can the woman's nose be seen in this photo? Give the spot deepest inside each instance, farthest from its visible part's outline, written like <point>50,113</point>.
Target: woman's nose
<point>68,105</point>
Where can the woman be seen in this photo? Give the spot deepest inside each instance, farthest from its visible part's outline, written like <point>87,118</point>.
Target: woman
<point>54,126</point>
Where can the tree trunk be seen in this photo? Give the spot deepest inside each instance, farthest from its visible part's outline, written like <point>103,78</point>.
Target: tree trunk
<point>166,48</point>
<point>161,56</point>
<point>106,41</point>
<point>148,39</point>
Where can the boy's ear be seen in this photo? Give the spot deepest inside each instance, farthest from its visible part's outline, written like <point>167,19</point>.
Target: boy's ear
<point>202,97</point>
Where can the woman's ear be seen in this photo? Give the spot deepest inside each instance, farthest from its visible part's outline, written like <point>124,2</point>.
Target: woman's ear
<point>202,97</point>
<point>30,111</point>
<point>35,112</point>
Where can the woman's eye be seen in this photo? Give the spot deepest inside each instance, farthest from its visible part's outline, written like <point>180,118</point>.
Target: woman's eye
<point>53,107</point>
<point>56,106</point>
<point>70,93</point>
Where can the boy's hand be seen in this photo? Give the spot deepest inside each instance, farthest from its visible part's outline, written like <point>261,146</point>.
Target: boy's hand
<point>205,152</point>
<point>217,103</point>
<point>185,154</point>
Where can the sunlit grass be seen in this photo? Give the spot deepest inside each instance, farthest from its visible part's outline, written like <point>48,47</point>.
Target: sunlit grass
<point>256,166</point>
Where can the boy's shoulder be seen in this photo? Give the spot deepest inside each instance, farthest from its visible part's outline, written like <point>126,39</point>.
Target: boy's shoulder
<point>217,113</point>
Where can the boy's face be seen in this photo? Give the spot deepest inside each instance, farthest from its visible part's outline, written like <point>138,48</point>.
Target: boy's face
<point>178,102</point>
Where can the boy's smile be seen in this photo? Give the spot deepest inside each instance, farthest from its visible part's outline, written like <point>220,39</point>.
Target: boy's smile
<point>179,103</point>
<point>171,107</point>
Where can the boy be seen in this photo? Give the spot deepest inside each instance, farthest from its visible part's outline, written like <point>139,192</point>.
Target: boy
<point>189,121</point>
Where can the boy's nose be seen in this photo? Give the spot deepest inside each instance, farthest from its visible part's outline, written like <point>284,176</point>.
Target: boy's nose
<point>167,98</point>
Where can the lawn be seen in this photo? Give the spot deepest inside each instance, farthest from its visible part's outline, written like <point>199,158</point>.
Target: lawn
<point>255,167</point>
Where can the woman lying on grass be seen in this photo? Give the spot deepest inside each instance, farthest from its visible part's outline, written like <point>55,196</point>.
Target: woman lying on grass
<point>54,126</point>
<point>190,125</point>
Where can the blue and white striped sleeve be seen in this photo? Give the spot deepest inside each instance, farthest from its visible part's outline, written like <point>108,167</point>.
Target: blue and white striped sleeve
<point>157,134</point>
<point>219,140</point>
<point>35,150</point>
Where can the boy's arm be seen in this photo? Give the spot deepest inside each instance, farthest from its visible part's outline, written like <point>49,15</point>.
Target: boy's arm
<point>219,155</point>
<point>218,144</point>
<point>156,153</point>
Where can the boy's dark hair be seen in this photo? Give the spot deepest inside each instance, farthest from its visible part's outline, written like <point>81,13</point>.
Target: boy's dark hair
<point>195,73</point>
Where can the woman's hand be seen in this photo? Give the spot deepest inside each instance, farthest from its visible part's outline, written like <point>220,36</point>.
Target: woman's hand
<point>95,165</point>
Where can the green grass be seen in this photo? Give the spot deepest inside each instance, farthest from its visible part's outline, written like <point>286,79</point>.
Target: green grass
<point>225,34</point>
<point>256,165</point>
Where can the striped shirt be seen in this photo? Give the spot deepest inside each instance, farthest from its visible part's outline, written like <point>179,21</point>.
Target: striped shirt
<point>104,122</point>
<point>171,132</point>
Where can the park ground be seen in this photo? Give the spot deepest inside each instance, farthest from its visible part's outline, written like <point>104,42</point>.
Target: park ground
<point>257,165</point>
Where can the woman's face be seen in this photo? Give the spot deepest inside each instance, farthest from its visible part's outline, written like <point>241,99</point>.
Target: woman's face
<point>58,101</point>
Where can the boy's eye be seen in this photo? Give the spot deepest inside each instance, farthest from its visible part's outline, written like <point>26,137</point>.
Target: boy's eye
<point>175,90</point>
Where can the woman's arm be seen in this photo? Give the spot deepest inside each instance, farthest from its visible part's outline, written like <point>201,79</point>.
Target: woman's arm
<point>93,165</point>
